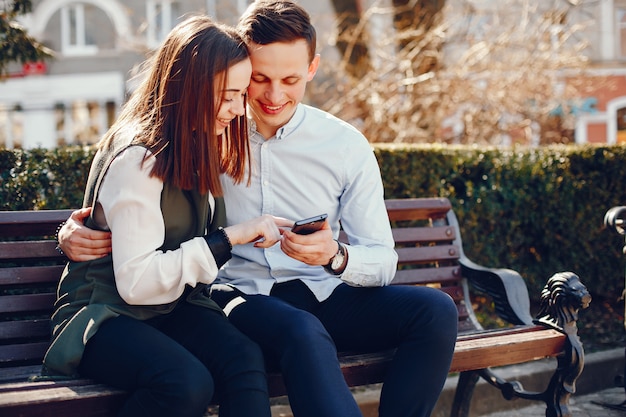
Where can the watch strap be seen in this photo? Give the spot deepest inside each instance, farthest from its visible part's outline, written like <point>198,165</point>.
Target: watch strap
<point>341,252</point>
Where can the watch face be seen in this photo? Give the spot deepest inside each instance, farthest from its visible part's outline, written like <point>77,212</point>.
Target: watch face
<point>337,260</point>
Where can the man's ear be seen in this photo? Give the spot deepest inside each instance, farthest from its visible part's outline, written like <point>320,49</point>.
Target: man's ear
<point>313,67</point>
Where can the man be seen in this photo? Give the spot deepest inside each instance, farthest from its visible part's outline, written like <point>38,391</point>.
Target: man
<point>310,296</point>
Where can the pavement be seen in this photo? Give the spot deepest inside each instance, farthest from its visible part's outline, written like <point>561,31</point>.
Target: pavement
<point>610,402</point>
<point>595,386</point>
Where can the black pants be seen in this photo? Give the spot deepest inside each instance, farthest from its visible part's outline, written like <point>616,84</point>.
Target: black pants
<point>175,364</point>
<point>301,336</point>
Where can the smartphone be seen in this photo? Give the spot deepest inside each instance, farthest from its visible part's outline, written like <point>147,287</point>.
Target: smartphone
<point>310,225</point>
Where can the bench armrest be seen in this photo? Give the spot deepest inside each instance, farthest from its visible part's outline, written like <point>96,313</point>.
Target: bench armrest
<point>614,219</point>
<point>505,286</point>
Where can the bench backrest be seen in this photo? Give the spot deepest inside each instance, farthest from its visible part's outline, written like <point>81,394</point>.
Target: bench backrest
<point>30,268</point>
<point>425,230</point>
<point>429,247</point>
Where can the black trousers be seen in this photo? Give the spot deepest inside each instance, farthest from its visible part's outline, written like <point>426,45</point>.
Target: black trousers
<point>301,336</point>
<point>174,365</point>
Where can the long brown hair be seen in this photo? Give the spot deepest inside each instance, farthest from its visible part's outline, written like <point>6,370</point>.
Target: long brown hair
<point>174,108</point>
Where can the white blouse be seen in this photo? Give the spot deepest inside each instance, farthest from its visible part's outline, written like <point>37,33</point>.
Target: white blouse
<point>131,204</point>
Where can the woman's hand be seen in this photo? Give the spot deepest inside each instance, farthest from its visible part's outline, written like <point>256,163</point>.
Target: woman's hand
<point>264,231</point>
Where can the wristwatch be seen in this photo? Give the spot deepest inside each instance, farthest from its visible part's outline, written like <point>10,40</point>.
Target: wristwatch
<point>338,262</point>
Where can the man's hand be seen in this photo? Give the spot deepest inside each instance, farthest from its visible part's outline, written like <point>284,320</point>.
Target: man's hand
<point>313,249</point>
<point>81,243</point>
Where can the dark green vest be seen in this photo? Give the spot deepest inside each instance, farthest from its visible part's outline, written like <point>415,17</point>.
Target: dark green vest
<point>87,295</point>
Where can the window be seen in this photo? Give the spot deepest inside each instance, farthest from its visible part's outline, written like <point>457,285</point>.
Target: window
<point>621,125</point>
<point>621,32</point>
<point>161,16</point>
<point>74,37</point>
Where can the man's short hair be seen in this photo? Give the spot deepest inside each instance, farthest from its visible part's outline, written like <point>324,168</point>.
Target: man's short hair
<point>270,21</point>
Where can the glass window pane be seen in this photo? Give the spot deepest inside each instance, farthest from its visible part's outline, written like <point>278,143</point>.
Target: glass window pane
<point>73,40</point>
<point>621,32</point>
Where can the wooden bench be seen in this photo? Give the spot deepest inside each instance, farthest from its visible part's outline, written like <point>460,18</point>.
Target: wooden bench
<point>430,252</point>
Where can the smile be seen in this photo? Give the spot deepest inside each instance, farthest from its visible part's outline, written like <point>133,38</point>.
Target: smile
<point>273,109</point>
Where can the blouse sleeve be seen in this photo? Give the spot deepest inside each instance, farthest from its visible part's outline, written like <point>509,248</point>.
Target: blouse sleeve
<point>131,201</point>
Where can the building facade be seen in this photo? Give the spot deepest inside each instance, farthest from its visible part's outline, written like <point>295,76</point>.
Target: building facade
<point>601,118</point>
<point>98,44</point>
<point>598,113</point>
<point>75,97</point>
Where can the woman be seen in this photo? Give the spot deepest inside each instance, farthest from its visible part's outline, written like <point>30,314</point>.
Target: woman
<point>139,319</point>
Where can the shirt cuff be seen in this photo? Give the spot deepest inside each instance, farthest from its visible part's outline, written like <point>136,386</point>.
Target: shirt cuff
<point>220,246</point>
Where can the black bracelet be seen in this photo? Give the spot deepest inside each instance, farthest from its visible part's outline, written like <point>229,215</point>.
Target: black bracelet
<point>219,245</point>
<point>56,237</point>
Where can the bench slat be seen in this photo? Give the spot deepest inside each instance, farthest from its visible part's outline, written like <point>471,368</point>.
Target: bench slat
<point>80,400</point>
<point>417,208</point>
<point>34,370</point>
<point>30,275</point>
<point>31,223</point>
<point>444,275</point>
<point>427,254</point>
<point>36,249</point>
<point>27,303</point>
<point>32,352</point>
<point>406,235</point>
<point>20,329</point>
<point>9,375</point>
<point>507,349</point>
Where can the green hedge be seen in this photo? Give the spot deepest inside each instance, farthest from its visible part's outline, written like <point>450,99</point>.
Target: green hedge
<point>535,210</point>
<point>42,179</point>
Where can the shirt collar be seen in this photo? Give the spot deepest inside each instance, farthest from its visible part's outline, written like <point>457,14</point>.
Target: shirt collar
<point>288,128</point>
<point>292,124</point>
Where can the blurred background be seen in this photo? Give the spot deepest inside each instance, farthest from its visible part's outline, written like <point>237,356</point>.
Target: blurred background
<point>497,72</point>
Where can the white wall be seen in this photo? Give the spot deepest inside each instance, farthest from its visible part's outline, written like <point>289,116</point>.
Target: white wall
<point>38,95</point>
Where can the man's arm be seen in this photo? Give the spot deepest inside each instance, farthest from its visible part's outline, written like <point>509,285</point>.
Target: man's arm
<point>80,243</point>
<point>370,255</point>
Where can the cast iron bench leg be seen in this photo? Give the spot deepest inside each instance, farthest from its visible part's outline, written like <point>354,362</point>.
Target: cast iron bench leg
<point>561,299</point>
<point>463,394</point>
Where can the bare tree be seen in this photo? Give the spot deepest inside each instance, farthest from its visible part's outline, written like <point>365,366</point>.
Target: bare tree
<point>352,38</point>
<point>473,76</point>
<point>354,34</point>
